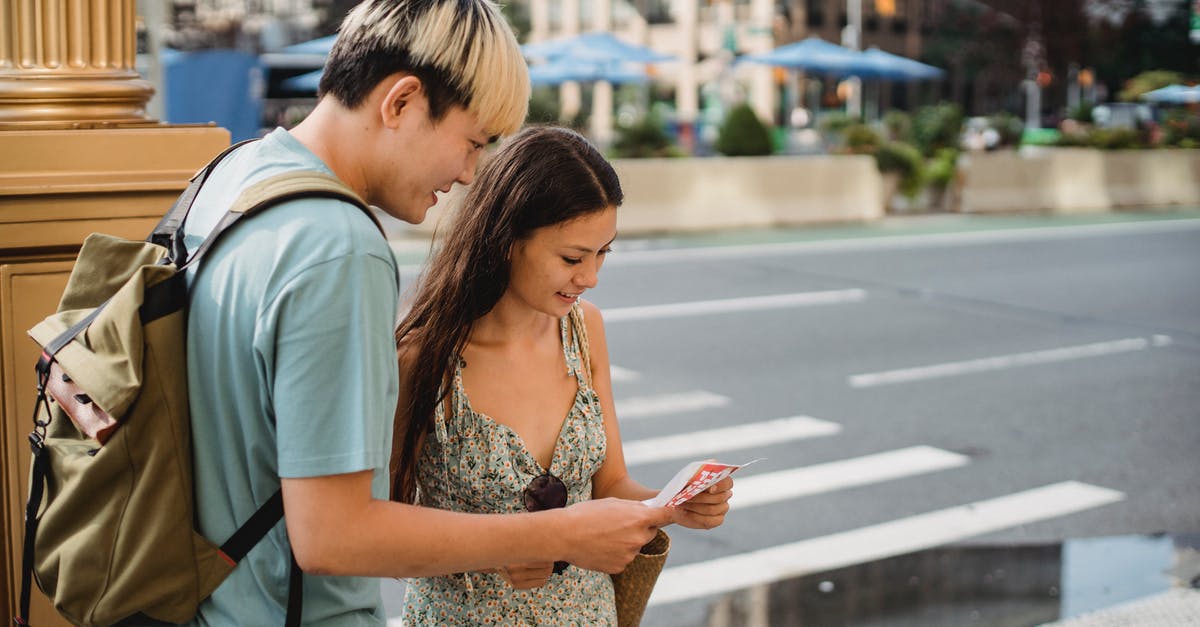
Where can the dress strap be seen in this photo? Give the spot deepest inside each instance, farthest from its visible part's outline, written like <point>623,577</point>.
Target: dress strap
<point>575,345</point>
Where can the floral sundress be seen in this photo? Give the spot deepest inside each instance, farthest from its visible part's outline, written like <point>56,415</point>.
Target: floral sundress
<point>475,464</point>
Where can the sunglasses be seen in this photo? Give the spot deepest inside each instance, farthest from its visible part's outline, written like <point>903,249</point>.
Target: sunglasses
<point>546,492</point>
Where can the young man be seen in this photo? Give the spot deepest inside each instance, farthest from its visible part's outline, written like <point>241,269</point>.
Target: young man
<point>291,360</point>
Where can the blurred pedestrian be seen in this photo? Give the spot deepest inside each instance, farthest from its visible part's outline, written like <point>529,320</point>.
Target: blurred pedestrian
<point>506,402</point>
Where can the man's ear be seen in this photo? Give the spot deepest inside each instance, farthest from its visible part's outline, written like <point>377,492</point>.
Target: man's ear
<point>404,97</point>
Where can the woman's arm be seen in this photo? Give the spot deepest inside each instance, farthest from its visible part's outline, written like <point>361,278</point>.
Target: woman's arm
<point>704,511</point>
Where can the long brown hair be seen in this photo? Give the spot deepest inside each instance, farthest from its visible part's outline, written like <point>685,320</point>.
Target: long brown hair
<point>541,177</point>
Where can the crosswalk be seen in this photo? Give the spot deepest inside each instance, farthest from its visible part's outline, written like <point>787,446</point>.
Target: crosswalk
<point>904,535</point>
<point>739,440</point>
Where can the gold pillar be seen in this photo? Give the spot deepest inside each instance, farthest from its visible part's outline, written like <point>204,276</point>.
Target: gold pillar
<point>70,63</point>
<point>77,154</point>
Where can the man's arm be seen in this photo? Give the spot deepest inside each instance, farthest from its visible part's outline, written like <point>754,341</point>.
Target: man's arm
<point>337,528</point>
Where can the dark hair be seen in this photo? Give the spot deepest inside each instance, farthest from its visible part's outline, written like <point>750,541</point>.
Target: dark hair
<point>541,177</point>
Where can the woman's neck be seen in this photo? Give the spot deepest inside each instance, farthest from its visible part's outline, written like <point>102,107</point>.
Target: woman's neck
<point>513,323</point>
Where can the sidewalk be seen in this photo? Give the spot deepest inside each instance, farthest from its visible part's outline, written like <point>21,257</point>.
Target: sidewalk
<point>1174,608</point>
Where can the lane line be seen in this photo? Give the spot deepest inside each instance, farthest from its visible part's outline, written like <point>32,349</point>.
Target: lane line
<point>734,305</point>
<point>1021,234</point>
<point>842,474</point>
<point>700,444</point>
<point>622,375</point>
<point>857,546</point>
<point>1002,362</point>
<point>657,405</point>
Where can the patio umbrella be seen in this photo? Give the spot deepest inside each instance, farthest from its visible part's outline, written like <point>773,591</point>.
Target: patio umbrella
<point>568,69</point>
<point>594,46</point>
<point>887,66</point>
<point>321,45</point>
<point>1174,94</point>
<point>304,82</point>
<point>812,55</point>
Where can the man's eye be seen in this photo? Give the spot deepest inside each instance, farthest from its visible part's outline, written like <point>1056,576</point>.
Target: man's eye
<point>605,251</point>
<point>476,145</point>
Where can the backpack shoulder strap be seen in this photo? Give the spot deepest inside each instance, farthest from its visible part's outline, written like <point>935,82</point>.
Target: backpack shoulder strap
<point>164,234</point>
<point>278,189</point>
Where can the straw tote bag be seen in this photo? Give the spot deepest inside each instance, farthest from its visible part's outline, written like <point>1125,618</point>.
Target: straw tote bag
<point>633,586</point>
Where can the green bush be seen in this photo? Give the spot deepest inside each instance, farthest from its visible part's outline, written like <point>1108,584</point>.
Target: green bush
<point>903,159</point>
<point>942,168</point>
<point>836,122</point>
<point>1148,81</point>
<point>645,138</point>
<point>543,106</point>
<point>743,134</point>
<point>1010,128</point>
<point>936,127</point>
<point>1082,112</point>
<point>861,139</point>
<point>1115,138</point>
<point>1181,128</point>
<point>899,126</point>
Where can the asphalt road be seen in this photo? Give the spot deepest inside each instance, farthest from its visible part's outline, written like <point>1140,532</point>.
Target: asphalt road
<point>922,383</point>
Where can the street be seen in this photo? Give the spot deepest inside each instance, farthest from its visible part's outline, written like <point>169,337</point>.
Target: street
<point>989,386</point>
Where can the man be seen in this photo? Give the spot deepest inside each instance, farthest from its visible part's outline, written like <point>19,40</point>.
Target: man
<point>291,361</point>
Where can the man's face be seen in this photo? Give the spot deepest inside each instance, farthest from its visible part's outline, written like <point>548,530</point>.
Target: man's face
<point>426,157</point>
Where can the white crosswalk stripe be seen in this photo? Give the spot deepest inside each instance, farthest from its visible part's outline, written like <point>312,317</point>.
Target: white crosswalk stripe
<point>734,305</point>
<point>842,474</point>
<point>662,404</point>
<point>700,444</point>
<point>865,544</point>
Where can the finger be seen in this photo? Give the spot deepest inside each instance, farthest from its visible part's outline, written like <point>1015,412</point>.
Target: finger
<point>723,485</point>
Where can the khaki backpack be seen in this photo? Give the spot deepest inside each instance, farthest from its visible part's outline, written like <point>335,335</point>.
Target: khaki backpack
<point>110,522</point>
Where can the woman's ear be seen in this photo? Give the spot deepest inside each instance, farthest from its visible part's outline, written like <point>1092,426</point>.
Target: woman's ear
<point>405,97</point>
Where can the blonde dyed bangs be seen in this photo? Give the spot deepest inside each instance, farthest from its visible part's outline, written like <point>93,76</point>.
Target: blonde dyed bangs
<point>477,51</point>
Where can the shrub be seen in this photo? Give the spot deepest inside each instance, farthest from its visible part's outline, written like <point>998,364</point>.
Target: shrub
<point>543,106</point>
<point>743,134</point>
<point>942,168</point>
<point>1181,128</point>
<point>647,137</point>
<point>903,159</point>
<point>861,139</point>
<point>1115,138</point>
<point>899,126</point>
<point>936,127</point>
<point>1010,128</point>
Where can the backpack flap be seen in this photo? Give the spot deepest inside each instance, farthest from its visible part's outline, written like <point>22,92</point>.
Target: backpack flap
<point>105,360</point>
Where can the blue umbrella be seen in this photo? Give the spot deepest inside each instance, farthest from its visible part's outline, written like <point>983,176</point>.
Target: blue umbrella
<point>885,65</point>
<point>304,82</point>
<point>1174,94</point>
<point>321,45</point>
<point>812,54</point>
<point>597,46</point>
<point>565,69</point>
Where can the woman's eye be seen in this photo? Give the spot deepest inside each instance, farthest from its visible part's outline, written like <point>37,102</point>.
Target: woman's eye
<point>605,251</point>
<point>572,260</point>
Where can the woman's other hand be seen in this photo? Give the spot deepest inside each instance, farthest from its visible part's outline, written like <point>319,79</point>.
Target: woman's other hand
<point>707,509</point>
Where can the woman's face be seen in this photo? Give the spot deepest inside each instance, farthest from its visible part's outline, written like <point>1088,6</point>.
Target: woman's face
<point>558,263</point>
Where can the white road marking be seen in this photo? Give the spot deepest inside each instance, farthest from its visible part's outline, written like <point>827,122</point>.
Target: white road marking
<point>847,473</point>
<point>631,256</point>
<point>1002,362</point>
<point>700,444</point>
<point>874,542</point>
<point>734,305</point>
<point>623,375</point>
<point>647,406</point>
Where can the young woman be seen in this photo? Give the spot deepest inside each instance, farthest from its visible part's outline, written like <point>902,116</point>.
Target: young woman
<point>505,397</point>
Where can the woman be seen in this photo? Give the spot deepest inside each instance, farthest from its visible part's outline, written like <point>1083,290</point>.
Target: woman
<point>497,348</point>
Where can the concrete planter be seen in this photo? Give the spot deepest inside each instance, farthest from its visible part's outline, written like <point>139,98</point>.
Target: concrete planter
<point>1077,180</point>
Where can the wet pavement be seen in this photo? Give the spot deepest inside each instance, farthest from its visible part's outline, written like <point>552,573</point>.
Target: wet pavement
<point>1120,580</point>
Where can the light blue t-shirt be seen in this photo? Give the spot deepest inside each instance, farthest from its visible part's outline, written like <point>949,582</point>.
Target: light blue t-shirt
<point>292,373</point>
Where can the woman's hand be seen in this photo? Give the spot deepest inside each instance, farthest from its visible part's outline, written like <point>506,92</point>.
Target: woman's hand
<point>527,576</point>
<point>707,509</point>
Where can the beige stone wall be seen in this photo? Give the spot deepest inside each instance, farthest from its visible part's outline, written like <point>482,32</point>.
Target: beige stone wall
<point>673,195</point>
<point>1075,180</point>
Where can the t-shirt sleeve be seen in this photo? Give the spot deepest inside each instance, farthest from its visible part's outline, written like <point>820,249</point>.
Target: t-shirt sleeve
<point>334,378</point>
